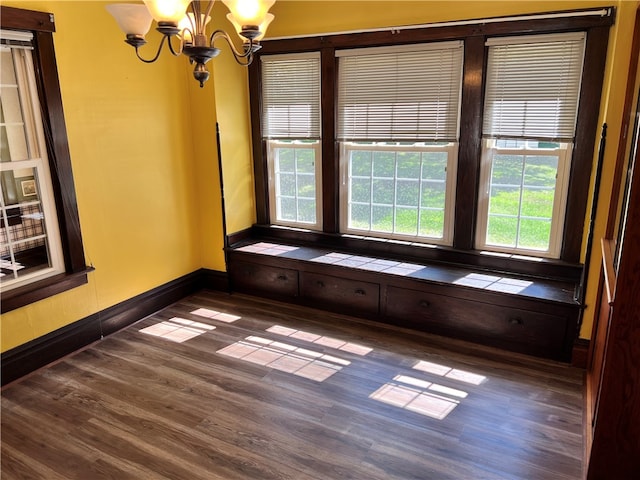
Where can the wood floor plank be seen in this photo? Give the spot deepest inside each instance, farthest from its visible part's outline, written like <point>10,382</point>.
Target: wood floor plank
<point>228,396</point>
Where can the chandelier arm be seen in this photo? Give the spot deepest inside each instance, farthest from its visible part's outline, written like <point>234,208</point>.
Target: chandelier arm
<point>164,39</point>
<point>173,52</point>
<point>248,59</point>
<point>222,34</point>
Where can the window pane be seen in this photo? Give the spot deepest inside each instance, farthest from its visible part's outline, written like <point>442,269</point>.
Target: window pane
<point>295,183</point>
<point>537,203</point>
<point>534,234</point>
<point>383,191</point>
<point>431,223</point>
<point>384,164</point>
<point>433,194</point>
<point>24,243</point>
<point>522,196</point>
<point>305,161</point>
<point>361,163</point>
<point>285,160</point>
<point>408,164</point>
<point>434,165</point>
<point>287,209</point>
<point>287,184</point>
<point>306,210</point>
<point>504,201</point>
<point>407,221</point>
<point>360,189</point>
<point>541,170</point>
<point>408,193</point>
<point>360,216</point>
<point>382,218</point>
<point>507,170</point>
<point>502,231</point>
<point>403,187</point>
<point>307,187</point>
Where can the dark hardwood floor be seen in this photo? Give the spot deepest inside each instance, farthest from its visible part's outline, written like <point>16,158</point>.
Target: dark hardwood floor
<point>223,386</point>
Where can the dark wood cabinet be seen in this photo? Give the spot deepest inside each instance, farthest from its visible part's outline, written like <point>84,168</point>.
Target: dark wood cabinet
<point>539,320</point>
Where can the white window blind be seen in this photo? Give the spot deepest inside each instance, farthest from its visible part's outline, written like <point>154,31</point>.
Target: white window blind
<point>16,39</point>
<point>291,96</point>
<point>409,93</point>
<point>533,86</point>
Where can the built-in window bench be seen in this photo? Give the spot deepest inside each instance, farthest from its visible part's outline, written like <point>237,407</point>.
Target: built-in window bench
<point>513,312</point>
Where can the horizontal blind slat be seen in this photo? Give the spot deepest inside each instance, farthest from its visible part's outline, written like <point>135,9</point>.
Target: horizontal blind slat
<point>533,87</point>
<point>400,95</point>
<point>291,96</point>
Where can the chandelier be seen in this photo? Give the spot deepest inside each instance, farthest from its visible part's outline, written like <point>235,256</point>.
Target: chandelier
<point>186,21</point>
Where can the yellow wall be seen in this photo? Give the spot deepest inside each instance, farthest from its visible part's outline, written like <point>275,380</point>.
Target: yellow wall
<point>141,183</point>
<point>143,146</point>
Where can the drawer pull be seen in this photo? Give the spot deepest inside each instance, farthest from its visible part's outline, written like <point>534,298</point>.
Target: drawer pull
<point>515,321</point>
<point>424,304</point>
<point>320,283</point>
<point>282,277</point>
<point>360,292</point>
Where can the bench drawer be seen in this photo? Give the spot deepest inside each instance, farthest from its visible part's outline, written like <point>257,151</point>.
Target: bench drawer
<point>352,295</point>
<point>507,327</point>
<point>251,277</point>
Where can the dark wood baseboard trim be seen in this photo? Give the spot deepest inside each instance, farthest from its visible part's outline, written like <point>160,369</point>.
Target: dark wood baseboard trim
<point>37,353</point>
<point>580,353</point>
<point>215,280</point>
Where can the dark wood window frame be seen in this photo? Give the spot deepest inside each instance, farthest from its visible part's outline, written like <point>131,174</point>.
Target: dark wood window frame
<point>42,25</point>
<point>474,37</point>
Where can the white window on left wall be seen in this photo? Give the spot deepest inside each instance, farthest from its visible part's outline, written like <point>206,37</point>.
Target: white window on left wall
<point>291,129</point>
<point>30,247</point>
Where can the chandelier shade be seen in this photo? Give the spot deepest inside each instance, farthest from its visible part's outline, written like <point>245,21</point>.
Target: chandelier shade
<point>249,12</point>
<point>185,22</point>
<point>133,19</point>
<point>167,11</point>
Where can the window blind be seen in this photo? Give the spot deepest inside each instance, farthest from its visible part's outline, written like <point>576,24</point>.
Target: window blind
<point>291,96</point>
<point>409,93</point>
<point>16,39</point>
<point>533,86</point>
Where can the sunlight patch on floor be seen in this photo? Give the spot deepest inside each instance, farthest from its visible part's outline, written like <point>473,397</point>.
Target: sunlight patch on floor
<point>419,396</point>
<point>448,372</point>
<point>214,315</point>
<point>320,340</point>
<point>285,357</point>
<point>177,329</point>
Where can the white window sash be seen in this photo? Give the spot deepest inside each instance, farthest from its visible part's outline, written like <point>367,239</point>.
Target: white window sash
<point>559,203</point>
<point>272,146</point>
<point>450,190</point>
<point>25,76</point>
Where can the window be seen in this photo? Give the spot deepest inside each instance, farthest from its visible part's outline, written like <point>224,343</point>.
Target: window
<point>398,110</point>
<point>41,243</point>
<point>474,140</point>
<point>29,238</point>
<point>528,130</point>
<point>291,127</point>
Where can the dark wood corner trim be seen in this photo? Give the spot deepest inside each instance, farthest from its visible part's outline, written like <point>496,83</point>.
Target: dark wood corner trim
<point>237,237</point>
<point>580,353</point>
<point>37,353</point>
